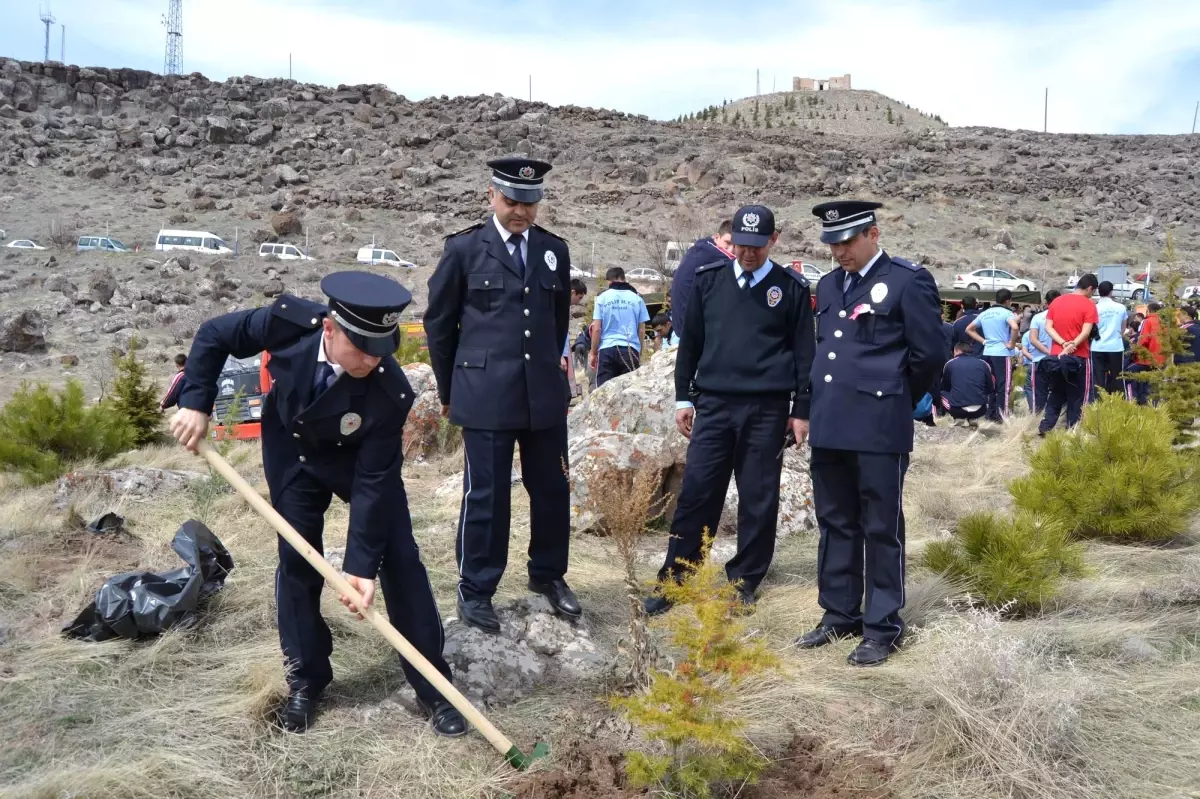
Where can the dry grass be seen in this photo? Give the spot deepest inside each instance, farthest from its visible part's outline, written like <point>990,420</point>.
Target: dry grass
<point>1060,706</point>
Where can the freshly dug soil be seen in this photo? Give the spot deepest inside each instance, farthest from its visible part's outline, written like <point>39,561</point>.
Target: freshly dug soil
<point>808,770</point>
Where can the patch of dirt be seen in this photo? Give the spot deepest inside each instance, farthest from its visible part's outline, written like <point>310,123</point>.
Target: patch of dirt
<point>589,771</point>
<point>810,769</point>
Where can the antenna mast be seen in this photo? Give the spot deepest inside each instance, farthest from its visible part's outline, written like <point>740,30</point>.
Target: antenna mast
<point>47,19</point>
<point>173,61</point>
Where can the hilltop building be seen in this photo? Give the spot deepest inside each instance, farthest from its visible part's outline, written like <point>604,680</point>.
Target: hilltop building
<point>820,84</point>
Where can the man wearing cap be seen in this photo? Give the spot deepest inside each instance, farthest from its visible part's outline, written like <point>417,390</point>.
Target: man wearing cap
<point>499,306</point>
<point>879,350</point>
<point>331,424</point>
<point>741,383</point>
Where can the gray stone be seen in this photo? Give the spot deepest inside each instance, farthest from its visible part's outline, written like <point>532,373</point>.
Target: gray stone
<point>23,331</point>
<point>261,135</point>
<point>1136,649</point>
<point>139,483</point>
<point>102,286</point>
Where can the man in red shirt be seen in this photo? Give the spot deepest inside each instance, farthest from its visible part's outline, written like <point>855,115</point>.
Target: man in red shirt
<point>1070,322</point>
<point>1150,341</point>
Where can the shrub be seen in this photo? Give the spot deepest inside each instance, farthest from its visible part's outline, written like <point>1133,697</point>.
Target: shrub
<point>1174,387</point>
<point>1017,562</point>
<point>1117,475</point>
<point>411,350</point>
<point>684,707</point>
<point>135,397</point>
<point>43,432</point>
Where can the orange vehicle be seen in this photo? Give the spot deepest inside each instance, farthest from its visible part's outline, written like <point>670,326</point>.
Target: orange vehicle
<point>246,382</point>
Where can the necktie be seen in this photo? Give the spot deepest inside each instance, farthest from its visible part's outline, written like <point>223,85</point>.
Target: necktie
<point>515,241</point>
<point>324,378</point>
<point>855,278</point>
<point>745,281</point>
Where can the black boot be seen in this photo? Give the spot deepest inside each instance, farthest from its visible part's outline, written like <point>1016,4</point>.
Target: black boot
<point>299,710</point>
<point>821,635</point>
<point>480,614</point>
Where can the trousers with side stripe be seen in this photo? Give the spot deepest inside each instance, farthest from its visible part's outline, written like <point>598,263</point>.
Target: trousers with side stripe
<point>304,634</point>
<point>997,407</point>
<point>481,546</point>
<point>860,558</point>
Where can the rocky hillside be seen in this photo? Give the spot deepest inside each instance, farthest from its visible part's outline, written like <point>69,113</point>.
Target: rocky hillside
<point>89,150</point>
<point>837,113</point>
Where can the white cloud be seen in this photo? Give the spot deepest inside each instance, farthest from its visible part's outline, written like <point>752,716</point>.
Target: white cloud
<point>1106,67</point>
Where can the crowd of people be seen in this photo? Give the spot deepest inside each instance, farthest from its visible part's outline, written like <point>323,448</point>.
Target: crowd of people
<point>1080,343</point>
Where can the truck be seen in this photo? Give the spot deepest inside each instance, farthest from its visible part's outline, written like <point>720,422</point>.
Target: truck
<point>1125,285</point>
<point>674,254</point>
<point>241,390</point>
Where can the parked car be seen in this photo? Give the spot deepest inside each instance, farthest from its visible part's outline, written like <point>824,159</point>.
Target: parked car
<point>1190,292</point>
<point>644,274</point>
<point>579,273</point>
<point>378,255</point>
<point>993,279</point>
<point>1125,287</point>
<point>195,240</point>
<point>284,252</point>
<point>23,244</point>
<point>808,270</point>
<point>105,243</point>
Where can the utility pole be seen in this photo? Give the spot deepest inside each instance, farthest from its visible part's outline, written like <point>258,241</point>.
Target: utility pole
<point>531,87</point>
<point>289,66</point>
<point>47,19</point>
<point>173,60</point>
<point>757,84</point>
<point>1197,114</point>
<point>1046,113</point>
<point>62,55</point>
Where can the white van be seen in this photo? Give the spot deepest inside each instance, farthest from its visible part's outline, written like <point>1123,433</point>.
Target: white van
<point>195,240</point>
<point>284,252</point>
<point>378,255</point>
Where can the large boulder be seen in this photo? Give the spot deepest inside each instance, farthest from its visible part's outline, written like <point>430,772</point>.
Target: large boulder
<point>423,428</point>
<point>23,331</point>
<point>102,286</point>
<point>287,224</point>
<point>611,459</point>
<point>140,483</point>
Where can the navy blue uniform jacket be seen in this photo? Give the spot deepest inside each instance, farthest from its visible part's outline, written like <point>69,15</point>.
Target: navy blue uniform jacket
<point>704,251</point>
<point>495,339</point>
<point>967,380</point>
<point>870,372</point>
<point>360,465</point>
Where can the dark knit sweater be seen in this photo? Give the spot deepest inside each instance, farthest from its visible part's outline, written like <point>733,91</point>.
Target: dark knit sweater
<point>759,341</point>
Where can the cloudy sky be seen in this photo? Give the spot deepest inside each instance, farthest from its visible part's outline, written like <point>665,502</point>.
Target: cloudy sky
<point>1112,66</point>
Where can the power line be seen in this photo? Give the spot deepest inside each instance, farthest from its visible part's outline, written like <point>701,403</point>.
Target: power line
<point>47,19</point>
<point>173,61</point>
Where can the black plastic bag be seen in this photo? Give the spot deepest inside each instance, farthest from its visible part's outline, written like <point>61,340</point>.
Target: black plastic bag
<point>108,523</point>
<point>142,604</point>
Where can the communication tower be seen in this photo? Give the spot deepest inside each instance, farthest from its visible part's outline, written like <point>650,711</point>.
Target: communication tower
<point>47,20</point>
<point>173,62</point>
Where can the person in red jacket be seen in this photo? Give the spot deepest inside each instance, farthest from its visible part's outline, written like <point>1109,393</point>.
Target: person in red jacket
<point>1147,352</point>
<point>171,398</point>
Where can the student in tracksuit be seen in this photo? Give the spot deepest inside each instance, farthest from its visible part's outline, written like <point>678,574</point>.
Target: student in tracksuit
<point>997,329</point>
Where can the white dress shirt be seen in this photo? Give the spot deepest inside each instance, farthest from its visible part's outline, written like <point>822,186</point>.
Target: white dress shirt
<point>337,370</point>
<point>862,273</point>
<point>510,246</point>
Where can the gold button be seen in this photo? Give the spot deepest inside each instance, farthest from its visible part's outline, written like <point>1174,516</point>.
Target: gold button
<point>828,378</point>
<point>303,459</point>
<point>527,356</point>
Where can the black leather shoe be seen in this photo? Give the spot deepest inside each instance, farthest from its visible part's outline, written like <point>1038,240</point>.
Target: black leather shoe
<point>821,635</point>
<point>656,605</point>
<point>299,711</point>
<point>445,719</point>
<point>561,597</point>
<point>872,653</point>
<point>480,614</point>
<point>745,601</point>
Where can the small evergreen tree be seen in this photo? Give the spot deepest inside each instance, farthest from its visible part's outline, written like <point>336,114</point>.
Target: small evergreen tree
<point>135,397</point>
<point>411,350</point>
<point>890,120</point>
<point>1175,387</point>
<point>1118,475</point>
<point>43,432</point>
<point>685,707</point>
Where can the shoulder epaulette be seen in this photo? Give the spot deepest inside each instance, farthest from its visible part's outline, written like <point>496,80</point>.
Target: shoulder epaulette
<point>907,264</point>
<point>475,226</point>
<point>305,313</point>
<point>394,381</point>
<point>548,233</point>
<point>796,276</point>
<point>712,266</point>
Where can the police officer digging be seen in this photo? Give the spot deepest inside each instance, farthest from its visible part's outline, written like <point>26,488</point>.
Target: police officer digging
<point>879,349</point>
<point>747,350</point>
<point>331,425</point>
<point>499,304</point>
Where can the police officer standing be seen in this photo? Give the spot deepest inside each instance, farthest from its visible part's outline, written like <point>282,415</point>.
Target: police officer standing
<point>746,351</point>
<point>499,304</point>
<point>879,349</point>
<point>331,424</point>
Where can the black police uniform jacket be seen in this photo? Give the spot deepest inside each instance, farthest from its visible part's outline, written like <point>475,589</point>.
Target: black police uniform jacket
<point>358,459</point>
<point>879,350</point>
<point>495,338</point>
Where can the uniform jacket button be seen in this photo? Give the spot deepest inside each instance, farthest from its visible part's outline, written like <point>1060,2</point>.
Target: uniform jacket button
<point>486,283</point>
<point>828,378</point>
<point>842,314</point>
<point>879,393</point>
<point>527,289</point>
<point>339,443</point>
<point>312,321</point>
<point>837,334</point>
<point>527,356</point>
<point>295,435</point>
<point>833,356</point>
<point>527,312</point>
<point>303,459</point>
<point>283,305</point>
<point>402,396</point>
<point>381,368</point>
<point>526,334</point>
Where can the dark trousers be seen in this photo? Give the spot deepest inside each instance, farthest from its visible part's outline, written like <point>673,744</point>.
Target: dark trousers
<point>860,557</point>
<point>1106,372</point>
<point>738,435</point>
<point>615,361</point>
<point>997,406</point>
<point>303,632</point>
<point>1040,384</point>
<point>1139,390</point>
<point>1070,384</point>
<point>960,413</point>
<point>482,543</point>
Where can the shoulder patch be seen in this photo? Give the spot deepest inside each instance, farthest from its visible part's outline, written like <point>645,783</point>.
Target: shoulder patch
<point>907,264</point>
<point>475,226</point>
<point>712,266</point>
<point>305,313</point>
<point>548,233</point>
